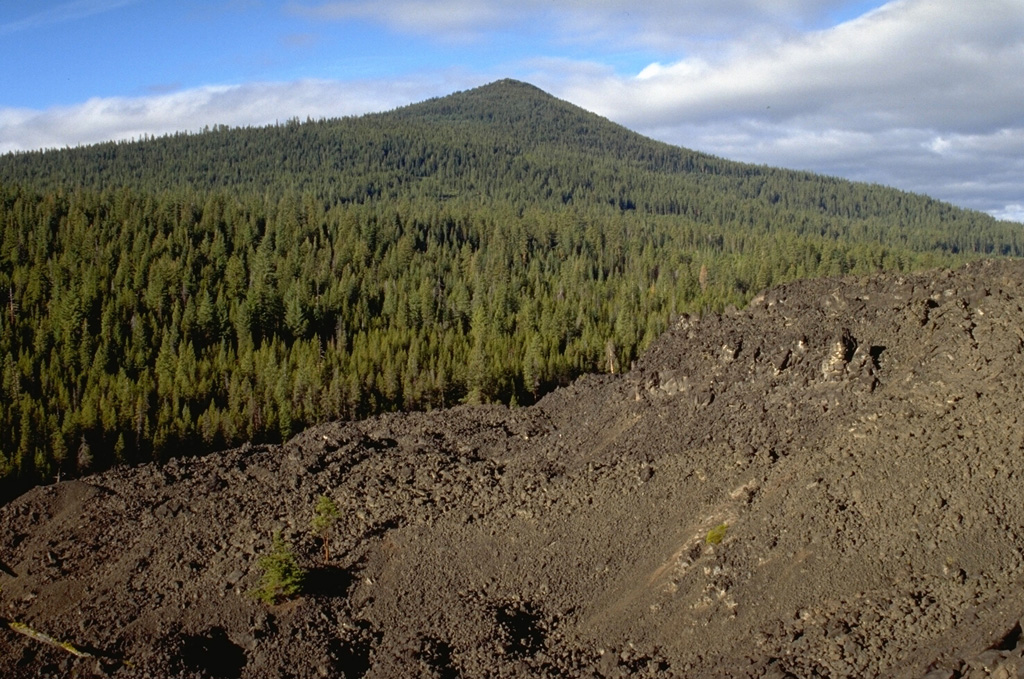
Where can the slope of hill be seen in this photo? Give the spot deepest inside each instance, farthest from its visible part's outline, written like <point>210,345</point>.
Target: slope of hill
<point>824,484</point>
<point>197,291</point>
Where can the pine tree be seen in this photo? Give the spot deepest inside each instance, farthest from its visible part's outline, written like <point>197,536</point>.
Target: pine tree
<point>325,515</point>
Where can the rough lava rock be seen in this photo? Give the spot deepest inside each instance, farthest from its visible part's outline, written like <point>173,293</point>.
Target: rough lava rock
<point>827,483</point>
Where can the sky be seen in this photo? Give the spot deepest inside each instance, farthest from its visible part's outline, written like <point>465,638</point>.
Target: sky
<point>923,95</point>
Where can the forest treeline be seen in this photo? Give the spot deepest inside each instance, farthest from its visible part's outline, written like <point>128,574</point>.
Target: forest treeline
<point>188,293</point>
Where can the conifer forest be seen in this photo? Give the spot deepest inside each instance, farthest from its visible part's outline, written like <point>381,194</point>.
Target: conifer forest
<point>188,293</point>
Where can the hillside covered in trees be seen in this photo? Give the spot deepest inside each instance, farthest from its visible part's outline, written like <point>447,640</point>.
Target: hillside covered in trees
<point>191,292</point>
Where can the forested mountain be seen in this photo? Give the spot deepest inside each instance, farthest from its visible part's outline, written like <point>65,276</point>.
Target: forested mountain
<point>190,292</point>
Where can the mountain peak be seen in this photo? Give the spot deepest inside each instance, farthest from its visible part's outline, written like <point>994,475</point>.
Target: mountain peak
<point>501,100</point>
<point>506,87</point>
<point>511,84</point>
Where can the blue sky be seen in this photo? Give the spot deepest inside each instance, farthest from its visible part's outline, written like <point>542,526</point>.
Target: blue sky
<point>924,95</point>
